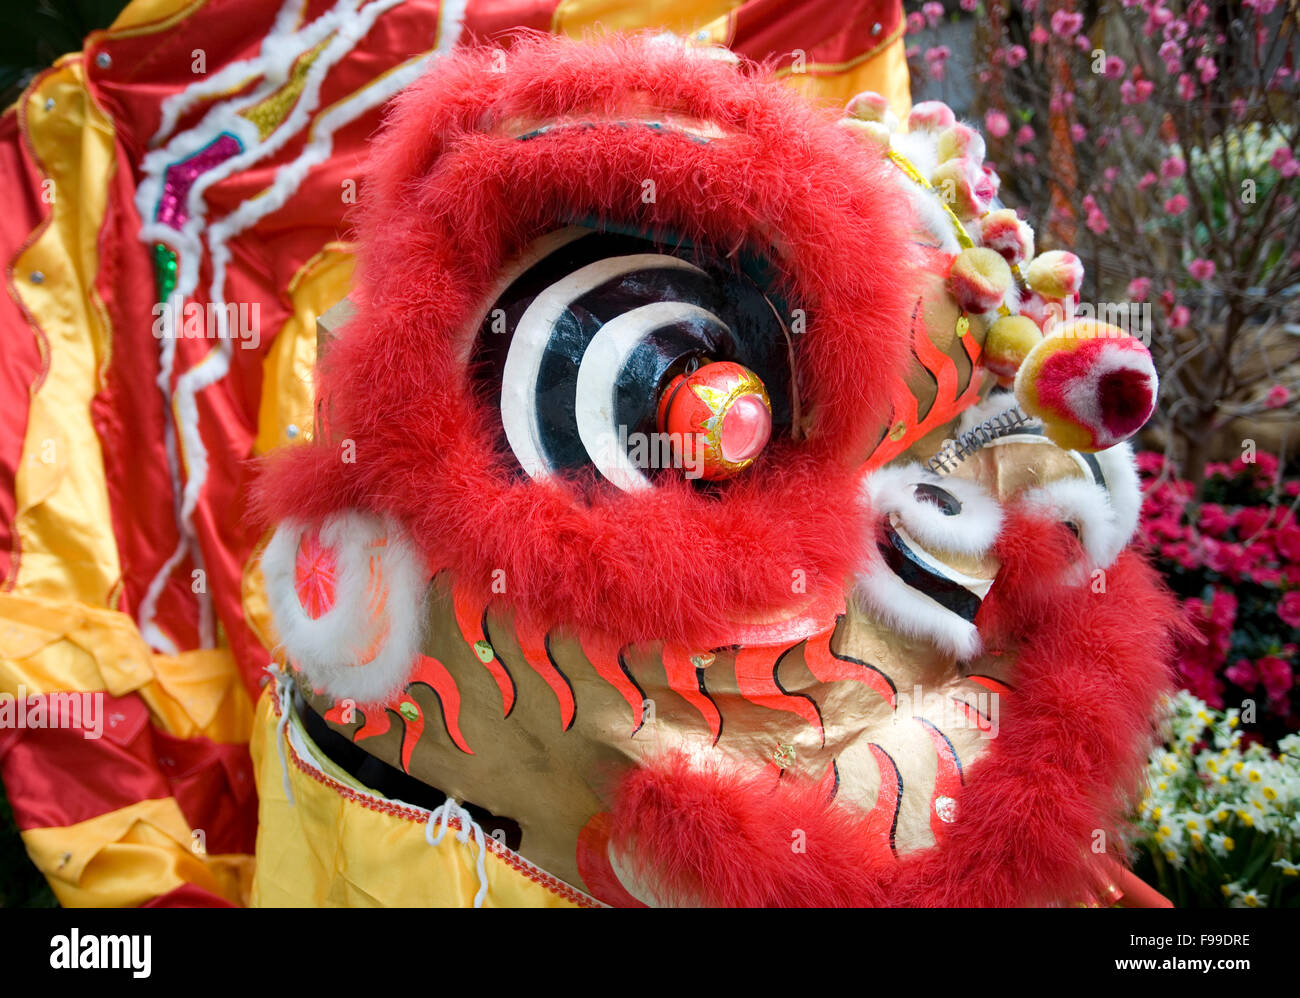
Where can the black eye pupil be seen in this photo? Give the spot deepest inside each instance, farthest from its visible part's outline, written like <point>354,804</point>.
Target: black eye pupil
<point>1072,527</point>
<point>945,500</point>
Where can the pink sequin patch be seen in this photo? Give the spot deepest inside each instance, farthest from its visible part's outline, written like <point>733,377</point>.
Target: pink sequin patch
<point>179,178</point>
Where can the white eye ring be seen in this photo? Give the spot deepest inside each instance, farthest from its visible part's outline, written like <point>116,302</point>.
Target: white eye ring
<point>363,644</point>
<point>972,531</point>
<point>1088,507</point>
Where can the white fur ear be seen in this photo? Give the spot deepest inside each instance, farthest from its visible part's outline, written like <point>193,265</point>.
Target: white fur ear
<point>362,643</point>
<point>970,527</point>
<point>1086,505</point>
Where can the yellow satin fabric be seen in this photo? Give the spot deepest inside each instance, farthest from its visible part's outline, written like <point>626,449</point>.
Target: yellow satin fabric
<point>129,856</point>
<point>328,849</point>
<point>882,68</point>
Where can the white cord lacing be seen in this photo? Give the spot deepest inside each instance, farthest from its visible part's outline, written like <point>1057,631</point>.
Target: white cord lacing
<point>444,812</point>
<point>284,693</point>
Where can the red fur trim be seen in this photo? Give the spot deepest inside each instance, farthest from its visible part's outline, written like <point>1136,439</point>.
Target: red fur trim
<point>1070,751</point>
<point>452,196</point>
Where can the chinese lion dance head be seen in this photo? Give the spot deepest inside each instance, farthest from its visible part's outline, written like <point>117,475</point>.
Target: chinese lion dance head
<point>716,501</point>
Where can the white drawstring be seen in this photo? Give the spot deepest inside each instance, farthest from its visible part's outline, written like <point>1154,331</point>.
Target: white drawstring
<point>284,692</point>
<point>468,826</point>
<point>443,813</point>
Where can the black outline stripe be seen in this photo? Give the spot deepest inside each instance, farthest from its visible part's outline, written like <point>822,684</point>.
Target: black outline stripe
<point>898,803</point>
<point>514,687</point>
<point>622,664</point>
<point>903,562</point>
<point>699,680</point>
<point>546,642</point>
<point>961,771</point>
<point>776,680</point>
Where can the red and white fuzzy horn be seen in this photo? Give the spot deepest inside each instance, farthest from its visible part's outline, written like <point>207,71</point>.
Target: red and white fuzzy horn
<point>1092,384</point>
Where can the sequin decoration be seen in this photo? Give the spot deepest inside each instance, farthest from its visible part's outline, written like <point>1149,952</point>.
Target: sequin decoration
<point>946,809</point>
<point>164,269</point>
<point>267,114</point>
<point>173,211</point>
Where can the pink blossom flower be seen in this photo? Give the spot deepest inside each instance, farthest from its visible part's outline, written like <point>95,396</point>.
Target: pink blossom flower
<point>1262,7</point>
<point>1288,608</point>
<point>1171,54</point>
<point>1014,55</point>
<point>997,124</point>
<point>969,5</point>
<point>1025,135</point>
<point>1114,67</point>
<point>1175,205</point>
<point>1280,158</point>
<point>1278,396</point>
<point>1208,69</point>
<point>1239,108</point>
<point>1066,24</point>
<point>1082,43</point>
<point>1039,35</point>
<point>1176,30</point>
<point>936,59</point>
<point>1150,462</point>
<point>1264,466</point>
<point>1139,288</point>
<point>933,12</point>
<point>1201,269</point>
<point>915,22</point>
<point>1213,520</point>
<point>1197,12</point>
<point>1180,553</point>
<point>1147,180</point>
<point>1096,221</point>
<point>1186,87</point>
<point>1172,168</point>
<point>1287,542</point>
<point>1077,132</point>
<point>1179,317</point>
<point>1138,92</point>
<point>1243,673</point>
<point>1275,674</point>
<point>1250,521</point>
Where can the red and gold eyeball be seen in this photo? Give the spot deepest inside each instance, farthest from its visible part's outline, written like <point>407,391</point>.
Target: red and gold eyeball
<point>720,415</point>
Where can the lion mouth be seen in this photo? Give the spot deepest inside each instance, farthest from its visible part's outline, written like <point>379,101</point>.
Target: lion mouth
<point>929,575</point>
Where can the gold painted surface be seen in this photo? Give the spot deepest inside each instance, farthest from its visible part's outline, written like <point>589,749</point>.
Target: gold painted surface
<point>552,782</point>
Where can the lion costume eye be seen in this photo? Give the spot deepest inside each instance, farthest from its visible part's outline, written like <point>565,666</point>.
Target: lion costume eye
<point>588,335</point>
